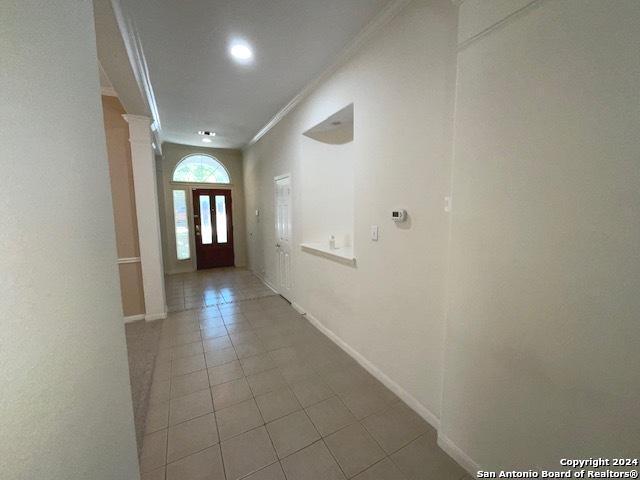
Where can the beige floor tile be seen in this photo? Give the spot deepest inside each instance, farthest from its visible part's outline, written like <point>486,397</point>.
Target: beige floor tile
<point>157,418</point>
<point>312,463</point>
<point>277,404</point>
<point>247,453</point>
<point>422,459</point>
<point>157,474</point>
<point>346,380</point>
<point>225,373</point>
<point>191,436</point>
<point>267,381</point>
<point>384,470</point>
<point>311,391</point>
<point>190,406</point>
<point>238,418</point>
<point>365,401</point>
<point>297,372</point>
<point>292,433</point>
<point>182,366</point>
<point>219,357</point>
<point>240,326</point>
<point>330,415</point>
<point>204,465</point>
<point>189,383</point>
<point>396,427</point>
<point>272,472</point>
<point>218,343</point>
<point>211,312</point>
<point>257,363</point>
<point>214,332</point>
<point>354,449</point>
<point>188,350</point>
<point>154,451</point>
<point>230,393</point>
<point>285,355</point>
<point>249,349</point>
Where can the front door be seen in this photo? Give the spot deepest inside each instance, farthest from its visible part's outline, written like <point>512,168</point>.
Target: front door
<point>283,234</point>
<point>213,228</point>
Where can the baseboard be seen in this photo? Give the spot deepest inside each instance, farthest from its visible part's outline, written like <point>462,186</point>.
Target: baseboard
<point>266,282</point>
<point>155,316</point>
<point>405,396</point>
<point>134,318</point>
<point>300,310</point>
<point>458,455</point>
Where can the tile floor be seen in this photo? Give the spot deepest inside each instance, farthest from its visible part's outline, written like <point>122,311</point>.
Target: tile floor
<point>212,287</point>
<point>250,390</point>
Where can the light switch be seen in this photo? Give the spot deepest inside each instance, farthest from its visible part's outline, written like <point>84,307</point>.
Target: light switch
<point>374,233</point>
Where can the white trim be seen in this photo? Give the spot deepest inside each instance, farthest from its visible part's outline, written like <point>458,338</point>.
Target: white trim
<point>458,455</point>
<point>138,62</point>
<point>387,14</point>
<point>405,396</point>
<point>177,182</point>
<point>266,282</point>
<point>108,92</point>
<point>147,208</point>
<point>128,260</point>
<point>134,318</point>
<point>498,24</point>
<point>342,255</point>
<point>155,316</point>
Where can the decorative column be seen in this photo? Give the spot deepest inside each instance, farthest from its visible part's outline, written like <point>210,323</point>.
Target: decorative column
<point>145,187</point>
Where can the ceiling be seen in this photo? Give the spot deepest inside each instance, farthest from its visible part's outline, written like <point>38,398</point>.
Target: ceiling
<point>197,86</point>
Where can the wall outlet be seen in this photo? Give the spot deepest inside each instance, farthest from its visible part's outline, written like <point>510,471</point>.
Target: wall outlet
<point>447,204</point>
<point>374,233</point>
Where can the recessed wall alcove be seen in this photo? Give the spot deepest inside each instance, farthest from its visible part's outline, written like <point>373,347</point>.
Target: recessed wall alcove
<point>328,186</point>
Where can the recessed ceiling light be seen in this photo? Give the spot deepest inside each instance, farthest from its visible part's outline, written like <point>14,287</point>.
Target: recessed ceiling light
<point>241,52</point>
<point>207,133</point>
<point>206,140</point>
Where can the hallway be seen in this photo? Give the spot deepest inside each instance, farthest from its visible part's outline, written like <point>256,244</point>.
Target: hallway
<point>319,239</point>
<point>206,288</point>
<point>250,389</point>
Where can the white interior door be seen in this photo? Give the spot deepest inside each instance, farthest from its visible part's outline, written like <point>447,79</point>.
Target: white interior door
<point>283,234</point>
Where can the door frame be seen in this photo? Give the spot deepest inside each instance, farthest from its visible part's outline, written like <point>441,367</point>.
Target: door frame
<point>213,192</point>
<point>275,204</point>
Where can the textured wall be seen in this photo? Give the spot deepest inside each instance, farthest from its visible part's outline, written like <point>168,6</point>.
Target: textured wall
<point>65,408</point>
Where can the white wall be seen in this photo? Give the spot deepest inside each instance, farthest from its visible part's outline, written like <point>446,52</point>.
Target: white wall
<point>391,308</point>
<point>65,407</point>
<point>542,357</point>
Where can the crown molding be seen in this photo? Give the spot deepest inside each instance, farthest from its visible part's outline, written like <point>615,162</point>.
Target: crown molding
<point>387,14</point>
<point>137,60</point>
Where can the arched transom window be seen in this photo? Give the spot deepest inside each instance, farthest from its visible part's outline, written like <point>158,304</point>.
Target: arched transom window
<point>199,168</point>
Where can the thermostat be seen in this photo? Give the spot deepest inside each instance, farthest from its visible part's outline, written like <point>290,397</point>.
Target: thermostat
<point>399,215</point>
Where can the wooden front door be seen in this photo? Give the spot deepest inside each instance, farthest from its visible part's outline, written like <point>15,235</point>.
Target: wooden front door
<point>213,228</point>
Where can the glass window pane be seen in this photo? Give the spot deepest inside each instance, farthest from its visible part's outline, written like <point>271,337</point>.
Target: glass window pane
<point>206,231</point>
<point>200,169</point>
<point>182,224</point>
<point>221,219</point>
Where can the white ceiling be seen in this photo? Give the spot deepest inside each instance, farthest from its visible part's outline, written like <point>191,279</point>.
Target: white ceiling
<point>198,87</point>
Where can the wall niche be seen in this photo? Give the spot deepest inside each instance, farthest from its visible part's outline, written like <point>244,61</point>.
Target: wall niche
<point>328,186</point>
